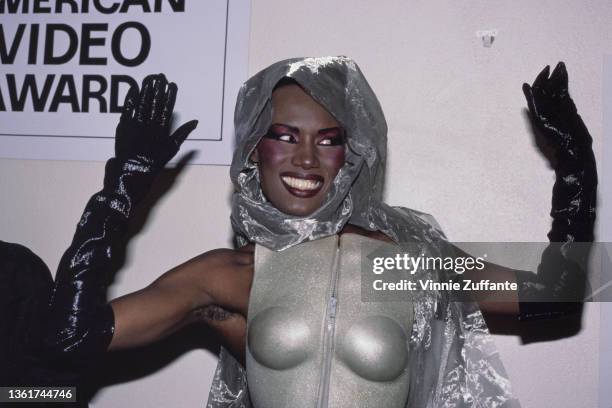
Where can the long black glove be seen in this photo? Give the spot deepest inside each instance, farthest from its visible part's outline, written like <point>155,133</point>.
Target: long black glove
<point>81,322</point>
<point>559,286</point>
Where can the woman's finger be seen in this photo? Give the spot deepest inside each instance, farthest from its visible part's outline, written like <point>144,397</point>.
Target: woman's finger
<point>558,79</point>
<point>542,77</point>
<point>181,133</point>
<point>143,107</point>
<point>159,98</point>
<point>528,91</point>
<point>168,107</point>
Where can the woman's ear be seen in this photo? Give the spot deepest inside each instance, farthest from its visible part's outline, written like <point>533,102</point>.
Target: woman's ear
<point>254,156</point>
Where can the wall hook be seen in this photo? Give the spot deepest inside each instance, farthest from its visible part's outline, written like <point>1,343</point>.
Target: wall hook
<point>487,37</point>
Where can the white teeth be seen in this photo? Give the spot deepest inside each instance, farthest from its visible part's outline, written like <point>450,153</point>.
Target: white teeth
<point>302,184</point>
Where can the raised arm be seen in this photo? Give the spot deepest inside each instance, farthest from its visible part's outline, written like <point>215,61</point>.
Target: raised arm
<point>80,321</point>
<point>558,287</point>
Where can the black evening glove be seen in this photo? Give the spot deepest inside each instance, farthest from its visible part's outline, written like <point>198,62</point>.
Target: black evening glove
<point>81,322</point>
<point>559,287</point>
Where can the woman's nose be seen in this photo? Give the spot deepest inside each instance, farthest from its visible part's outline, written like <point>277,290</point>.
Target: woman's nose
<point>305,155</point>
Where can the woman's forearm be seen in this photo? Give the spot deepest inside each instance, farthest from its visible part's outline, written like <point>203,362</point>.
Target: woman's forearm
<point>80,321</point>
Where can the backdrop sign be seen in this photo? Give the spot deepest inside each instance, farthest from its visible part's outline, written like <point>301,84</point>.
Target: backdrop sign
<point>67,66</point>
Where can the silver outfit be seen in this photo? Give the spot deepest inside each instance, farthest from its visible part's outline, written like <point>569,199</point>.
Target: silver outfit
<point>428,353</point>
<point>312,342</point>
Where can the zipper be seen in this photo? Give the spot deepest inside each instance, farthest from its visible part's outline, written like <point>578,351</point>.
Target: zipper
<point>329,332</point>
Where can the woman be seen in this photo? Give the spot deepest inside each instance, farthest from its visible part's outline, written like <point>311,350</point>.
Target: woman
<point>317,173</point>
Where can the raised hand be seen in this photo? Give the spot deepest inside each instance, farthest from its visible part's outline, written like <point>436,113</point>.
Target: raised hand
<point>143,132</point>
<point>554,114</point>
<point>559,286</point>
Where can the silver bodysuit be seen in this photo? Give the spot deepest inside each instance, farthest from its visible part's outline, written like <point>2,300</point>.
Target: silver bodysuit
<point>312,342</point>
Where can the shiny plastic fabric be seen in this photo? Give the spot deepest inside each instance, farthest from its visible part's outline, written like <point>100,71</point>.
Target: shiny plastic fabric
<point>81,322</point>
<point>559,287</point>
<point>450,346</point>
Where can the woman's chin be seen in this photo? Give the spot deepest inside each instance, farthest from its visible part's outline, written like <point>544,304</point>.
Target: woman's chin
<point>300,209</point>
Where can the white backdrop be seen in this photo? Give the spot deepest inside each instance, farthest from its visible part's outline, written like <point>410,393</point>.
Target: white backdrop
<point>459,144</point>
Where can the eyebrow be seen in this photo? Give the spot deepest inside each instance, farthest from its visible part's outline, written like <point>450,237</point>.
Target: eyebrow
<point>332,129</point>
<point>282,125</point>
<point>296,130</point>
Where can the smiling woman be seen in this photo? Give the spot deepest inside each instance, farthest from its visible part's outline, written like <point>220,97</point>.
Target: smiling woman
<point>301,154</point>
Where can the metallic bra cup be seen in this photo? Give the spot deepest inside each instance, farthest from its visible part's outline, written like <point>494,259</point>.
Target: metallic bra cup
<point>312,342</point>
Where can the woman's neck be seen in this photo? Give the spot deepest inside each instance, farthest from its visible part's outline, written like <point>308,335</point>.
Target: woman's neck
<point>353,229</point>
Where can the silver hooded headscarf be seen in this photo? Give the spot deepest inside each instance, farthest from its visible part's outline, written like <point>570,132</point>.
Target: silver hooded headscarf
<point>355,195</point>
<point>450,346</point>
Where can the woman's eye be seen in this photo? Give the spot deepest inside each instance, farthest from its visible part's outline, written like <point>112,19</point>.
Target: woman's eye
<point>332,141</point>
<point>283,137</point>
<point>287,138</point>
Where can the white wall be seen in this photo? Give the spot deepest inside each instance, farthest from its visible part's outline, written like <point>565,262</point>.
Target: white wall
<point>459,148</point>
<point>605,339</point>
